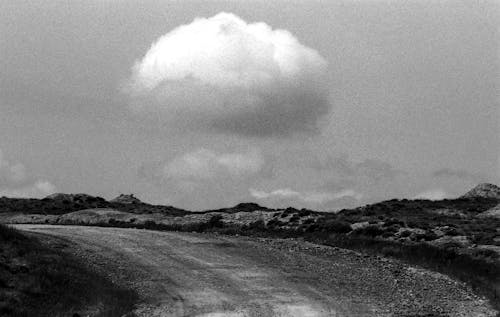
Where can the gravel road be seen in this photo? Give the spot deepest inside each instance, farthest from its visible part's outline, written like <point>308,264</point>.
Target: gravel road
<point>188,274</point>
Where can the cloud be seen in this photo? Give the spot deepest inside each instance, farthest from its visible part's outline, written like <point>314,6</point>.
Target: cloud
<point>11,173</point>
<point>310,198</point>
<point>226,75</point>
<point>458,173</point>
<point>16,182</point>
<point>372,169</point>
<point>203,178</point>
<point>433,194</point>
<point>39,189</point>
<point>206,164</point>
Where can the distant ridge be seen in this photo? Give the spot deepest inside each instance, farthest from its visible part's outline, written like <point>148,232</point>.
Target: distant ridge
<point>241,207</point>
<point>80,198</point>
<point>484,190</point>
<point>126,199</point>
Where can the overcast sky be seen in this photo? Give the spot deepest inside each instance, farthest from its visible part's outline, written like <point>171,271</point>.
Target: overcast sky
<point>205,104</point>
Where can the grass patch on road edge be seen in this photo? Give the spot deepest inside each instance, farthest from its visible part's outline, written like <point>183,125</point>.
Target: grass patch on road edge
<point>40,279</point>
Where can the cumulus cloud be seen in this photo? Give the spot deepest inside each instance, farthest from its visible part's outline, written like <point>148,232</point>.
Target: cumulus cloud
<point>224,74</point>
<point>433,194</point>
<point>16,182</point>
<point>309,198</point>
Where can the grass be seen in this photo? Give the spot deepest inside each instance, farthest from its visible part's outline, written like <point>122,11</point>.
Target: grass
<point>41,280</point>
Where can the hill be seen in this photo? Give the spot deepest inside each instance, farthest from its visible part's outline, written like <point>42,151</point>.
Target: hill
<point>59,204</point>
<point>484,190</point>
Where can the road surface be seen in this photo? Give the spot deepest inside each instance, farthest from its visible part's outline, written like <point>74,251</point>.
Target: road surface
<point>188,274</point>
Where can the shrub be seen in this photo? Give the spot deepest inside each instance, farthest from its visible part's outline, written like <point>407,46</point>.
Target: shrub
<point>309,221</point>
<point>370,231</point>
<point>257,225</point>
<point>273,223</point>
<point>335,226</point>
<point>405,233</point>
<point>215,222</point>
<point>390,251</point>
<point>150,224</point>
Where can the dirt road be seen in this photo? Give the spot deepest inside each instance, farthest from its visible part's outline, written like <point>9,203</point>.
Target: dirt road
<point>187,274</point>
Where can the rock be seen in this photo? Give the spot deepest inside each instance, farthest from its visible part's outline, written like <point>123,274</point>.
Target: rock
<point>126,199</point>
<point>359,225</point>
<point>492,213</point>
<point>460,240</point>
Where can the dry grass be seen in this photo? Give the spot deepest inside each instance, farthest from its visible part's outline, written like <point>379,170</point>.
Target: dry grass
<point>41,280</point>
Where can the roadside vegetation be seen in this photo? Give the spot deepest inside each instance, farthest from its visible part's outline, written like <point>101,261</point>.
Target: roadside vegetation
<point>41,280</point>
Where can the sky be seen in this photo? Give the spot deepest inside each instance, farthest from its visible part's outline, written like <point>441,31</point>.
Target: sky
<point>206,104</point>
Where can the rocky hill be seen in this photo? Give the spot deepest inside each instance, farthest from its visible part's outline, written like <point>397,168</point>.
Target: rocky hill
<point>484,190</point>
<point>59,204</point>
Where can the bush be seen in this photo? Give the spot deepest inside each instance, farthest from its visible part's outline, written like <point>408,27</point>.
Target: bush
<point>150,224</point>
<point>370,231</point>
<point>309,221</point>
<point>335,226</point>
<point>258,225</point>
<point>274,223</point>
<point>405,234</point>
<point>215,222</point>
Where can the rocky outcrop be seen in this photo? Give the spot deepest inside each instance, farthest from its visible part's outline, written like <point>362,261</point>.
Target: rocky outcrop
<point>126,199</point>
<point>484,190</point>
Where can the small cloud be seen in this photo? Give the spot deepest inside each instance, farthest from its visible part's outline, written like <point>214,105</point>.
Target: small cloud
<point>39,189</point>
<point>226,75</point>
<point>15,181</point>
<point>11,173</point>
<point>309,198</point>
<point>458,173</point>
<point>434,194</point>
<point>281,193</point>
<point>206,164</point>
<point>371,169</point>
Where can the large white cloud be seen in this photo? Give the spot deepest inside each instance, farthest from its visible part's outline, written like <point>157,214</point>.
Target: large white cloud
<point>226,74</point>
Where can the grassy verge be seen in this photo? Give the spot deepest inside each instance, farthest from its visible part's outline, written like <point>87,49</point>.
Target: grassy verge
<point>38,279</point>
